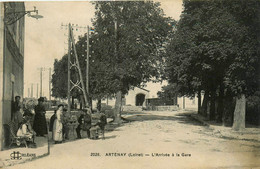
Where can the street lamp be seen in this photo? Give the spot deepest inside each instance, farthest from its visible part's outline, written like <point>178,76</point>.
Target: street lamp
<point>12,16</point>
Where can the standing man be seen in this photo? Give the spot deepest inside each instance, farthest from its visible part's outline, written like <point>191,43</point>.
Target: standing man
<point>65,123</point>
<point>84,122</point>
<point>40,125</point>
<point>16,114</point>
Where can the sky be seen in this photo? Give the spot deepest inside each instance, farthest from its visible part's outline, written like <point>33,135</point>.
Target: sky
<point>46,39</point>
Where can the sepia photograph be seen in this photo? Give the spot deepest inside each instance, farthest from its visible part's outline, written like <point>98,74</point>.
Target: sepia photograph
<point>137,84</point>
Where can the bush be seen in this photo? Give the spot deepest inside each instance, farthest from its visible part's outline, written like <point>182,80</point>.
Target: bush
<point>253,109</point>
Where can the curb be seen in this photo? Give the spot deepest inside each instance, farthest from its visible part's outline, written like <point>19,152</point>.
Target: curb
<point>221,135</point>
<point>200,120</point>
<point>8,163</point>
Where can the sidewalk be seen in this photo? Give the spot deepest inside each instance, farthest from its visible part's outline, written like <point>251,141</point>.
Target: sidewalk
<point>248,134</point>
<point>18,155</point>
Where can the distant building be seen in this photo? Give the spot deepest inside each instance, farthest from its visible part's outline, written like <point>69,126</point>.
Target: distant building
<point>135,97</point>
<point>11,60</point>
<point>187,103</point>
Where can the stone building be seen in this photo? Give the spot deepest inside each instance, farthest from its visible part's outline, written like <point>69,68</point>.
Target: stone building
<point>11,59</point>
<point>135,99</point>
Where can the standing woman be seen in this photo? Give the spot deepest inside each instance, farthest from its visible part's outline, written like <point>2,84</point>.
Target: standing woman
<point>17,116</point>
<point>57,125</point>
<point>40,125</point>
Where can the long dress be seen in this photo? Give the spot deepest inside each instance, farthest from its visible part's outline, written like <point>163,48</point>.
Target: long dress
<point>39,124</point>
<point>16,116</point>
<point>57,127</point>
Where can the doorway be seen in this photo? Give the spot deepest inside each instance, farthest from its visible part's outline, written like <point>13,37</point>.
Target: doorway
<point>139,99</point>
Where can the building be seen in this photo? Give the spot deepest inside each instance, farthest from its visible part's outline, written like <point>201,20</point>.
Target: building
<point>134,99</point>
<point>11,60</point>
<point>188,103</point>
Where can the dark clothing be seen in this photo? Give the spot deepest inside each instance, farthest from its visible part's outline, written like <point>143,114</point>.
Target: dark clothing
<point>52,119</point>
<point>16,106</point>
<point>65,124</point>
<point>102,122</point>
<point>40,125</point>
<point>84,124</point>
<point>16,115</point>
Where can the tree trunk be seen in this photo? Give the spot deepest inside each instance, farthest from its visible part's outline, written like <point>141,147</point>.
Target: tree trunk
<point>220,108</point>
<point>99,105</point>
<point>117,111</point>
<point>205,104</point>
<point>212,105</point>
<point>199,102</point>
<point>240,113</point>
<point>90,103</point>
<point>82,102</point>
<point>72,103</point>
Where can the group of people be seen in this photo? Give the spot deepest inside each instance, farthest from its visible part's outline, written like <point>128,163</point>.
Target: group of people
<point>59,124</point>
<point>29,124</point>
<point>26,123</point>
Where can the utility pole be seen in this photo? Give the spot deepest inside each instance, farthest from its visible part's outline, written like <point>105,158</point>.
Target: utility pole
<point>32,90</point>
<point>183,102</point>
<point>87,64</point>
<point>28,92</point>
<point>73,62</point>
<point>37,90</point>
<point>69,48</point>
<point>49,83</point>
<point>41,69</point>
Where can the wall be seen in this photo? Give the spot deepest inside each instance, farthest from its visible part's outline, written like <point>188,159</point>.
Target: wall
<point>12,63</point>
<point>131,96</point>
<point>1,72</point>
<point>190,103</point>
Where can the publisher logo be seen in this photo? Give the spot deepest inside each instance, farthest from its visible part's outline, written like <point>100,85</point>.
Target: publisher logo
<point>16,155</point>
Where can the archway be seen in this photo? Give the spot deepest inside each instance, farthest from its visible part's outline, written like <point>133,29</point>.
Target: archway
<point>139,99</point>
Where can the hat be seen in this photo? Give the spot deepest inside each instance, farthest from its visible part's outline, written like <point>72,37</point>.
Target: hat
<point>86,109</point>
<point>18,97</point>
<point>27,113</point>
<point>41,99</point>
<point>60,105</point>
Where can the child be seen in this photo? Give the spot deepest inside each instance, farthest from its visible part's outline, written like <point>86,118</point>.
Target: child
<point>25,130</point>
<point>102,123</point>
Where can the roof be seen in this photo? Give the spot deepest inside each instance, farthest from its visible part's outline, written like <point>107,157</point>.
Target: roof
<point>143,89</point>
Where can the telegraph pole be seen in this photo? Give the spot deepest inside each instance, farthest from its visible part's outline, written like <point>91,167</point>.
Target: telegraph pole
<point>32,90</point>
<point>37,96</point>
<point>49,83</point>
<point>87,64</point>
<point>69,47</point>
<point>73,62</point>
<point>28,92</point>
<point>41,69</point>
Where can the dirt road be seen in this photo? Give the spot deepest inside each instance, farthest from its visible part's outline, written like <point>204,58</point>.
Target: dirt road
<point>157,140</point>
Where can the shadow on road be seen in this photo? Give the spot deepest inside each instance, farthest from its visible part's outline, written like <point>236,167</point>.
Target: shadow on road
<point>110,137</point>
<point>180,118</point>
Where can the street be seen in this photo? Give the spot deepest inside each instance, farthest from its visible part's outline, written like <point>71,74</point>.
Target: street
<point>152,140</point>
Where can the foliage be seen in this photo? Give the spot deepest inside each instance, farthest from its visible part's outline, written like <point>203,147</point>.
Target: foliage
<point>125,54</point>
<point>169,94</point>
<point>130,38</point>
<point>214,44</point>
<point>59,78</point>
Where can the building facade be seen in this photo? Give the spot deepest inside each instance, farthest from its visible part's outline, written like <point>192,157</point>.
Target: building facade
<point>136,97</point>
<point>11,60</point>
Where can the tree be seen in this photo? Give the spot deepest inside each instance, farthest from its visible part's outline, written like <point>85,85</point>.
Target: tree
<point>99,87</point>
<point>59,84</point>
<point>169,94</point>
<point>214,50</point>
<point>130,38</point>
